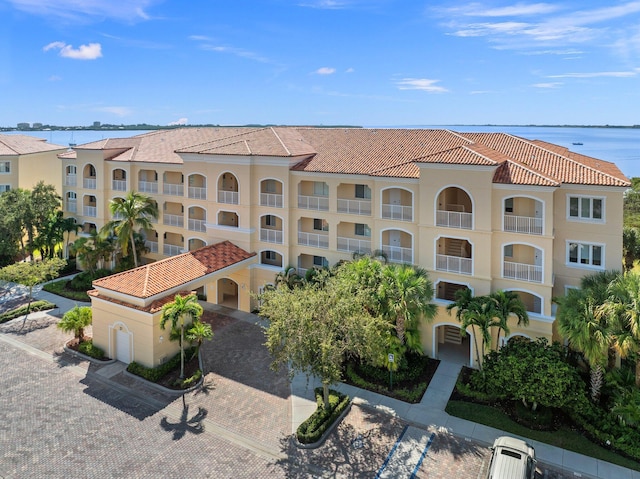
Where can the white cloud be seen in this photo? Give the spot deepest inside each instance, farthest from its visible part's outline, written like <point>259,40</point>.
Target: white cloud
<point>209,44</point>
<point>86,10</point>
<point>83,52</point>
<point>325,71</point>
<point>548,85</point>
<point>179,121</point>
<point>55,78</point>
<point>423,84</point>
<point>325,4</point>
<point>626,74</point>
<point>349,70</point>
<point>480,92</point>
<point>120,111</point>
<point>517,10</point>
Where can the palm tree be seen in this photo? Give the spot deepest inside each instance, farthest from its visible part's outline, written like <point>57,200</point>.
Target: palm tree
<point>93,251</point>
<point>586,331</point>
<point>507,303</point>
<point>478,312</point>
<point>76,320</point>
<point>135,210</point>
<point>69,225</point>
<point>630,246</point>
<point>198,333</point>
<point>177,312</point>
<point>406,293</point>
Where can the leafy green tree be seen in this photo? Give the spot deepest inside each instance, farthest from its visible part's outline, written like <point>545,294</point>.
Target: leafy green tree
<point>406,293</point>
<point>586,331</point>
<point>31,274</point>
<point>182,311</point>
<point>43,203</point>
<point>50,235</point>
<point>93,251</point>
<point>630,246</point>
<point>533,372</point>
<point>75,320</point>
<point>135,212</point>
<point>507,303</point>
<point>289,277</point>
<point>198,333</point>
<point>314,328</point>
<point>15,207</point>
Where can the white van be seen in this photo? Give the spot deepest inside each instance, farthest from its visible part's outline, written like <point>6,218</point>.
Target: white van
<point>512,459</point>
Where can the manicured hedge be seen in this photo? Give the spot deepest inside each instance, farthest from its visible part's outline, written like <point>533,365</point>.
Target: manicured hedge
<point>22,310</point>
<point>87,347</point>
<point>314,427</point>
<point>413,395</point>
<point>157,373</point>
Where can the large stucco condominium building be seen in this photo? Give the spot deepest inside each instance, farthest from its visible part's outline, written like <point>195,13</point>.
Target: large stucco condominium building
<point>484,211</point>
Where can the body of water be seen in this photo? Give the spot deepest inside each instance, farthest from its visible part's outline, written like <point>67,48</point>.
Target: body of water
<point>618,145</point>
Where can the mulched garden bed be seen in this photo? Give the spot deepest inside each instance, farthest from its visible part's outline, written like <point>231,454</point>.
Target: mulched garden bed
<point>170,379</point>
<point>74,345</point>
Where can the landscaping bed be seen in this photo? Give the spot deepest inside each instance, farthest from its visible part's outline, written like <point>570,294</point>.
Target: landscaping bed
<point>86,348</point>
<point>168,374</point>
<point>315,429</point>
<point>22,310</point>
<point>409,383</point>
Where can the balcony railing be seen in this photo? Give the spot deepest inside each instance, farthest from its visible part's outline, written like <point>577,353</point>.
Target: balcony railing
<point>197,225</point>
<point>173,220</point>
<point>271,199</point>
<point>197,192</point>
<point>70,180</point>
<point>398,254</point>
<point>397,212</point>
<point>89,183</point>
<point>354,207</point>
<point>271,236</point>
<point>523,224</point>
<point>119,185</point>
<point>172,249</point>
<point>522,271</point>
<point>353,245</point>
<point>173,189</point>
<point>148,186</point>
<point>72,206</point>
<point>454,264</point>
<point>90,211</point>
<point>319,203</point>
<point>313,239</point>
<point>152,245</point>
<point>454,219</point>
<point>228,197</point>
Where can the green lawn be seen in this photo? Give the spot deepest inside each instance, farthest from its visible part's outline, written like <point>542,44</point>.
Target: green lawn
<point>59,288</point>
<point>563,438</point>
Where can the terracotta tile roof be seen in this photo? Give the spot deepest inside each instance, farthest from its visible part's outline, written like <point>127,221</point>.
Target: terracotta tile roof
<point>154,307</point>
<point>156,278</point>
<point>25,144</point>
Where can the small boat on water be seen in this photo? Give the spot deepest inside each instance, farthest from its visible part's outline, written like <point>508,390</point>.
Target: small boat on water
<point>577,143</point>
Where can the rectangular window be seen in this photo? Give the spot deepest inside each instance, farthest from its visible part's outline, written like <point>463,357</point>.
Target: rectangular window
<point>320,261</point>
<point>4,188</point>
<point>270,220</point>
<point>320,188</point>
<point>586,208</point>
<point>362,230</point>
<point>363,192</point>
<point>508,205</point>
<point>270,255</point>
<point>508,251</point>
<point>585,254</point>
<point>5,167</point>
<point>320,225</point>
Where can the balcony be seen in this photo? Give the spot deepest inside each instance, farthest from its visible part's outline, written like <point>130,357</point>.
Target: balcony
<point>197,192</point>
<point>523,224</point>
<point>197,225</point>
<point>397,212</point>
<point>228,197</point>
<point>152,246</point>
<point>397,204</point>
<point>522,272</point>
<point>353,245</point>
<point>90,211</point>
<point>89,183</point>
<point>173,189</point>
<point>72,206</point>
<point>171,250</point>
<point>454,219</point>
<point>148,186</point>
<point>398,254</point>
<point>271,199</point>
<point>119,185</point>
<point>70,180</point>
<point>454,264</point>
<point>318,203</point>
<point>270,236</point>
<point>173,220</point>
<point>313,239</point>
<point>354,207</point>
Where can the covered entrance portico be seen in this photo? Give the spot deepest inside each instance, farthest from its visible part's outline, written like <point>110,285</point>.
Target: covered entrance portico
<point>451,346</point>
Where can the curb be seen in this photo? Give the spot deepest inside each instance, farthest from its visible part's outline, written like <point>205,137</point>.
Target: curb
<point>162,389</point>
<point>80,355</point>
<point>318,443</point>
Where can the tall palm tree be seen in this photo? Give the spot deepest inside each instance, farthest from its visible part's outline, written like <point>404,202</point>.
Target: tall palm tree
<point>134,211</point>
<point>406,293</point>
<point>69,225</point>
<point>586,331</point>
<point>181,309</point>
<point>481,315</point>
<point>198,333</point>
<point>507,303</point>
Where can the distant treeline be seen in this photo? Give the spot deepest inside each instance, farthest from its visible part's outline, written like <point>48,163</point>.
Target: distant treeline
<point>146,126</point>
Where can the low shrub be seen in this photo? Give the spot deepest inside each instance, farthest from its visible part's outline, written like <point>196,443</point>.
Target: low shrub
<point>60,288</point>
<point>22,310</point>
<point>82,281</point>
<point>190,381</point>
<point>157,373</point>
<point>87,347</point>
<point>322,419</point>
<point>69,268</point>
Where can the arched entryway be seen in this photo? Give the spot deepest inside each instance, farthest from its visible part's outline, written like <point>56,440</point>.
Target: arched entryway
<point>228,293</point>
<point>450,345</point>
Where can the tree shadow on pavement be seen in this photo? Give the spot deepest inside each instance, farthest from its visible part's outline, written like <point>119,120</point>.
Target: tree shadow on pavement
<point>185,424</point>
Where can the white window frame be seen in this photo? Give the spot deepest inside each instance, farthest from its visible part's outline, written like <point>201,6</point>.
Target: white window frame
<point>590,218</point>
<point>581,245</point>
<point>5,167</point>
<point>320,188</point>
<point>270,220</point>
<point>366,192</point>
<point>324,224</point>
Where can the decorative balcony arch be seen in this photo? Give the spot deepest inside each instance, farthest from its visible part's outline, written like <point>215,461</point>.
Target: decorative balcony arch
<point>271,192</point>
<point>454,208</point>
<point>89,177</point>
<point>397,203</point>
<point>397,244</point>
<point>523,262</point>
<point>119,180</point>
<point>197,186</point>
<point>228,188</point>
<point>523,214</point>
<point>271,258</point>
<point>271,229</point>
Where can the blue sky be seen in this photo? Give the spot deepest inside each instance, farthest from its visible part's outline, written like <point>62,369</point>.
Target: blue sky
<point>348,62</point>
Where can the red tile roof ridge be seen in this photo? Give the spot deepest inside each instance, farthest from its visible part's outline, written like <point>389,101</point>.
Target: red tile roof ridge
<point>224,141</point>
<point>534,171</point>
<point>571,160</point>
<point>280,140</point>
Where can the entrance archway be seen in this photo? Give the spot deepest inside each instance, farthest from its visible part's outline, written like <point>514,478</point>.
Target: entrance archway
<point>450,345</point>
<point>228,293</point>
